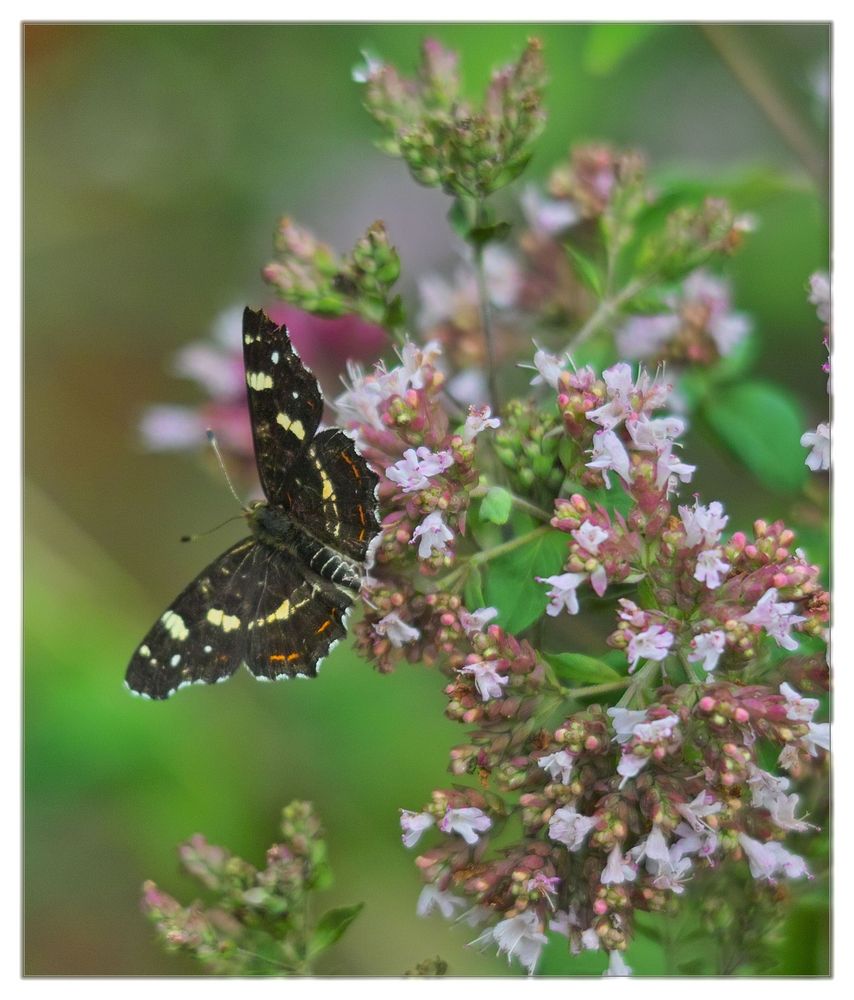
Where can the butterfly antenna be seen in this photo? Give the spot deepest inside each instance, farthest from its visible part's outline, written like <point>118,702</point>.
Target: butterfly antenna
<point>218,453</point>
<point>201,534</point>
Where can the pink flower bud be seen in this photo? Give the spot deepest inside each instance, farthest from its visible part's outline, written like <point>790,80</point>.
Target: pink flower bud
<point>600,907</point>
<point>706,704</point>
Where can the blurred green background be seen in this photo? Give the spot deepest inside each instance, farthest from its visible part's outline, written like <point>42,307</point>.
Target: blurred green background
<point>157,161</point>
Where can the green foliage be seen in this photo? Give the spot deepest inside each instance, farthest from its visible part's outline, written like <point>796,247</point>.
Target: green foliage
<point>510,580</point>
<point>607,45</point>
<point>496,505</point>
<point>577,669</point>
<point>762,426</point>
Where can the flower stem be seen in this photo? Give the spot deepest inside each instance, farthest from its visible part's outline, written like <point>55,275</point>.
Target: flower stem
<point>593,689</point>
<point>486,315</point>
<point>640,682</point>
<point>519,502</point>
<point>604,311</point>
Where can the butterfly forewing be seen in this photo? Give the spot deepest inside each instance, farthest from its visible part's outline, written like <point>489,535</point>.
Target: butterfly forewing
<point>285,403</point>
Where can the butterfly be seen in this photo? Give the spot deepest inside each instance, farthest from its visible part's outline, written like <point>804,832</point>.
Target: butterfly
<point>278,600</point>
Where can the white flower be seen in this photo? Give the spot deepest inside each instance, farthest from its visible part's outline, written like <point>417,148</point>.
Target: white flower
<point>705,804</point>
<point>547,216</point>
<point>624,721</point>
<point>652,644</point>
<point>617,965</point>
<point>653,848</point>
<point>476,621</point>
<point>819,295</point>
<point>434,535</point>
<point>709,568</point>
<point>610,455</point>
<point>559,765</point>
<point>707,647</point>
<point>562,595</point>
<point>769,792</point>
<point>726,328</point>
<point>703,524</point>
<point>670,468</point>
<point>570,827</point>
<point>396,630</point>
<point>479,418</point>
<point>590,536</point>
<point>413,825</point>
<point>648,733</point>
<point>364,70</point>
<point>468,822</point>
<point>361,399</point>
<point>520,937</point>
<point>590,939</point>
<point>487,680</point>
<point>818,738</point>
<point>799,709</point>
<point>653,435</point>
<point>775,617</point>
<point>414,360</point>
<point>618,869</point>
<point>769,859</point>
<point>631,613</point>
<point>548,366</point>
<point>432,898</point>
<point>413,471</point>
<point>819,441</point>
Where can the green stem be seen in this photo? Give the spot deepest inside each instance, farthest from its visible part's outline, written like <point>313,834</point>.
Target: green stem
<point>594,689</point>
<point>736,54</point>
<point>604,311</point>
<point>640,682</point>
<point>486,314</point>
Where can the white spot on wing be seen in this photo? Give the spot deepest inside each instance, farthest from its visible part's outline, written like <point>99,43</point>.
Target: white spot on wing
<point>217,617</point>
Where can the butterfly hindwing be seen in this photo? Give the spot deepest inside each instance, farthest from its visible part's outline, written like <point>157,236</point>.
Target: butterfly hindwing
<point>297,618</point>
<point>334,494</point>
<point>285,402</point>
<point>201,635</point>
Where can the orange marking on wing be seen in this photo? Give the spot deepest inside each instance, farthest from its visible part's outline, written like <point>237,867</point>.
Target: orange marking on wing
<point>323,627</point>
<point>354,468</point>
<point>292,656</point>
<point>277,658</point>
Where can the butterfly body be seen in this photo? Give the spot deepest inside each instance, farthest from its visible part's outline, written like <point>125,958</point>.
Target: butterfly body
<point>278,600</point>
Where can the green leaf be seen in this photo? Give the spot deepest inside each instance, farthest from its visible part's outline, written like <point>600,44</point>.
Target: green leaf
<point>607,45</point>
<point>576,668</point>
<point>510,583</point>
<point>481,235</point>
<point>473,589</point>
<point>588,271</point>
<point>331,926</point>
<point>496,505</point>
<point>762,426</point>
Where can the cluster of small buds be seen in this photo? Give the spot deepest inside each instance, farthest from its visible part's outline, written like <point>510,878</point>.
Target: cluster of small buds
<point>257,924</point>
<point>446,142</point>
<point>691,237</point>
<point>527,444</point>
<point>594,177</point>
<point>312,276</point>
<point>698,329</point>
